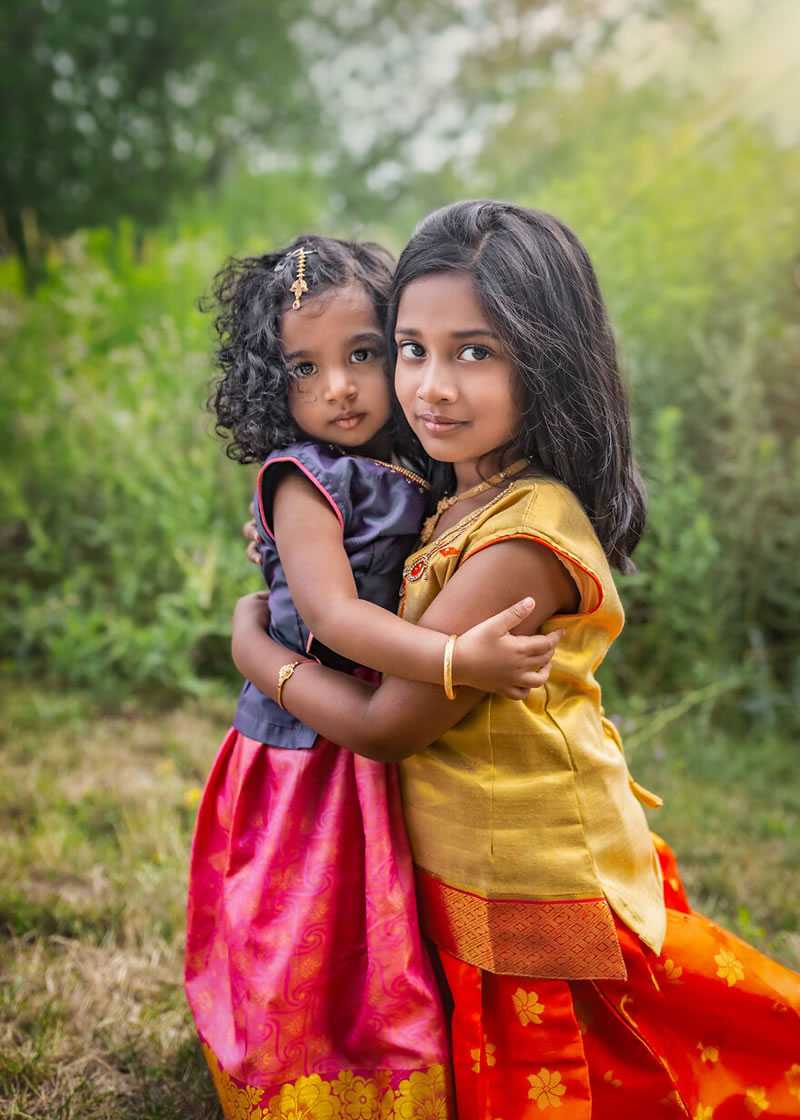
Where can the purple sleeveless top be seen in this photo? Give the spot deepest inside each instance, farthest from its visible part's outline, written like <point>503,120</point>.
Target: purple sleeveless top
<point>380,509</point>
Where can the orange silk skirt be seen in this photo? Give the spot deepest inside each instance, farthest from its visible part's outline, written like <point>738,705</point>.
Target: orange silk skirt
<point>709,1029</point>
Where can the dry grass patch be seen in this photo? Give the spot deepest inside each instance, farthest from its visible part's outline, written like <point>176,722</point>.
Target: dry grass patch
<point>96,812</point>
<point>95,825</point>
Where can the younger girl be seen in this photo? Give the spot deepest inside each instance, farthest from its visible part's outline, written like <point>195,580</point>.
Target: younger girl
<point>305,969</point>
<point>574,986</point>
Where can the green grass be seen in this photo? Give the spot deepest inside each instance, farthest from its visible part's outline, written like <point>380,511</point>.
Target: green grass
<point>732,815</point>
<point>96,812</point>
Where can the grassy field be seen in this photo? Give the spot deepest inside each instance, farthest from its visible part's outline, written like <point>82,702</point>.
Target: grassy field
<point>96,812</point>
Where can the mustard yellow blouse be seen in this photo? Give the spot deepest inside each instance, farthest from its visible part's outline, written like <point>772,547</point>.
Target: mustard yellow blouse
<point>524,822</point>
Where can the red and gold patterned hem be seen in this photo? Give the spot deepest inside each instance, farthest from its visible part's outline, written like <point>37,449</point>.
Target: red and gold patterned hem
<point>573,939</point>
<point>382,1095</point>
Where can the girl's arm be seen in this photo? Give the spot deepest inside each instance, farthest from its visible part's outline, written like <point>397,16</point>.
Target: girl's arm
<point>309,539</point>
<point>401,717</point>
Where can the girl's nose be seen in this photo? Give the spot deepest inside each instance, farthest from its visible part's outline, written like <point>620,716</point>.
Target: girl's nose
<point>436,383</point>
<point>339,384</point>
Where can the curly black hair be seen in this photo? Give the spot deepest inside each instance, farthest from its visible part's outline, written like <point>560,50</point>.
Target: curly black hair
<point>250,398</point>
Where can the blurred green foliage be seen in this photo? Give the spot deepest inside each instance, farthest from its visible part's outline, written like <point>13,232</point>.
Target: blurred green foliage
<point>694,233</point>
<point>120,515</point>
<point>116,107</point>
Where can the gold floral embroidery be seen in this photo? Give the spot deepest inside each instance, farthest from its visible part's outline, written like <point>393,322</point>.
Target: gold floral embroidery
<point>674,1098</point>
<point>527,1006</point>
<point>793,1077</point>
<point>708,1053</point>
<point>704,1112</point>
<point>672,971</point>
<point>756,1100</point>
<point>422,1096</point>
<point>359,1096</point>
<point>546,1088</point>
<point>237,1104</point>
<point>611,1079</point>
<point>308,1098</point>
<point>444,544</point>
<point>730,968</point>
<point>476,1057</point>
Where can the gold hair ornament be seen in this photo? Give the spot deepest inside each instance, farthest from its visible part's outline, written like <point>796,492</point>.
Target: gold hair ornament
<point>299,286</point>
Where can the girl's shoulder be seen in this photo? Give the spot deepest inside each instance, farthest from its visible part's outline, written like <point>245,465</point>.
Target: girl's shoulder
<point>326,459</point>
<point>358,489</point>
<point>535,508</point>
<point>547,512</point>
<point>322,464</point>
<point>308,454</point>
<point>536,502</point>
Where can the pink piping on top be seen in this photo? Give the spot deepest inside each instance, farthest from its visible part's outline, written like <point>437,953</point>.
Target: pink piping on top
<point>309,476</point>
<point>558,552</point>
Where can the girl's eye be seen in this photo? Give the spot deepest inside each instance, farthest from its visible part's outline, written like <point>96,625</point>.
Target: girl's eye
<point>475,354</point>
<point>303,369</point>
<point>363,354</point>
<point>411,350</point>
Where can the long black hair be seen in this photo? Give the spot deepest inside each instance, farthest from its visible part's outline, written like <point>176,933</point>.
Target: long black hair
<point>251,396</point>
<point>539,291</point>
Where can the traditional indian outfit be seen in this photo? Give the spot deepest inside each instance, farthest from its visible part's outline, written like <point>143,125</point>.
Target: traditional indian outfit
<point>580,978</point>
<point>311,987</point>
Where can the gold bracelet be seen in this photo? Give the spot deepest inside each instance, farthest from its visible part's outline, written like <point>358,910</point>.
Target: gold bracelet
<point>449,646</point>
<point>284,673</point>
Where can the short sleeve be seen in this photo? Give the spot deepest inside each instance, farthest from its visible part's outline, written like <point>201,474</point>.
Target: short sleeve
<point>331,474</point>
<point>548,513</point>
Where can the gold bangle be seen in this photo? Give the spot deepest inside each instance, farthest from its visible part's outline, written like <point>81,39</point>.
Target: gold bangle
<point>449,646</point>
<point>284,673</point>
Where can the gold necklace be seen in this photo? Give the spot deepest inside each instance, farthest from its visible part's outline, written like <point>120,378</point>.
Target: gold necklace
<point>429,524</point>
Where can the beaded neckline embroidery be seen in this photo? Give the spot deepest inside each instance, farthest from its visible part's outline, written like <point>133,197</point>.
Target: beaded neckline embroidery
<point>418,566</point>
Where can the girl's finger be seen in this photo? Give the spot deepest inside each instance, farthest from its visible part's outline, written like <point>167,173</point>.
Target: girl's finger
<point>535,645</point>
<point>537,678</point>
<point>506,620</point>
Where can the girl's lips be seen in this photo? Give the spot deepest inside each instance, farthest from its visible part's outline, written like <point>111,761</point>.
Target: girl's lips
<point>349,419</point>
<point>439,424</point>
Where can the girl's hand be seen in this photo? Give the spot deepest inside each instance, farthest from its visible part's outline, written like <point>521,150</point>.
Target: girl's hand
<point>251,535</point>
<point>249,627</point>
<point>250,613</point>
<point>490,658</point>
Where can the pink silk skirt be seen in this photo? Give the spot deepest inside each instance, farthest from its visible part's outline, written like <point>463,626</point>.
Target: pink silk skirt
<point>308,978</point>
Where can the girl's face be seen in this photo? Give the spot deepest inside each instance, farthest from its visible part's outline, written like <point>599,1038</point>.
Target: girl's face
<point>453,377</point>
<point>339,392</point>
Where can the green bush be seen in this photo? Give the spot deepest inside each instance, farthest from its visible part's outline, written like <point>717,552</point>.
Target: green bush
<point>120,513</point>
<point>694,235</point>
